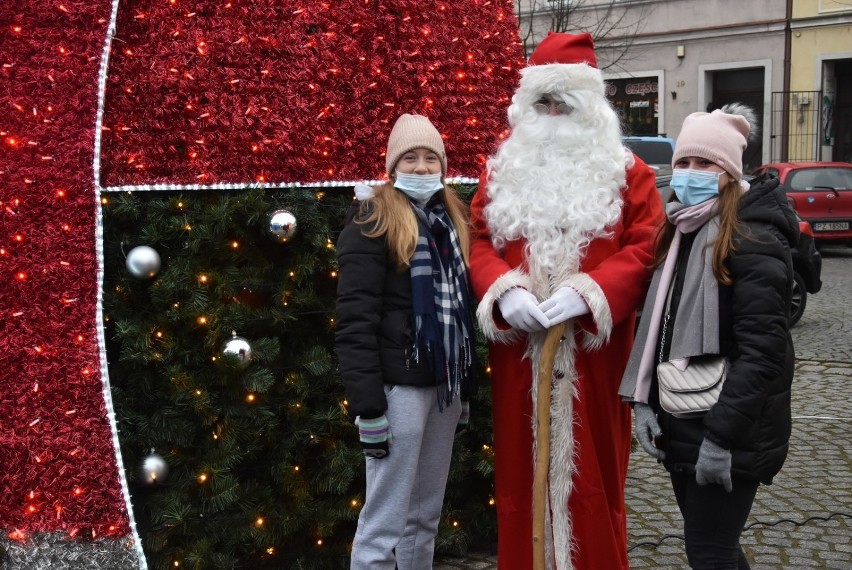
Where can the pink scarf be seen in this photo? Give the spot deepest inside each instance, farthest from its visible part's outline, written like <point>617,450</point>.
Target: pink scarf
<point>686,219</point>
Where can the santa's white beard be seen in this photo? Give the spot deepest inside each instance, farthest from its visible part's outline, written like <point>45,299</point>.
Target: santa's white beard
<point>556,183</point>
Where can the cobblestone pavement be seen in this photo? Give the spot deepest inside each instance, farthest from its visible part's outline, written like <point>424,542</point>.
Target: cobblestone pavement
<point>803,520</point>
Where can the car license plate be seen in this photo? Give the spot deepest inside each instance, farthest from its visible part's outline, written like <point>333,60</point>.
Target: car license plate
<point>830,226</point>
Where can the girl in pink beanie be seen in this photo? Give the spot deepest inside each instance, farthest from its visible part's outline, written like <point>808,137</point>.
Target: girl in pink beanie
<point>722,286</point>
<point>405,343</point>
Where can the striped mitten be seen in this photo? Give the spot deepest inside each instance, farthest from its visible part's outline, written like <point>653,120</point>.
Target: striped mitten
<point>464,419</point>
<point>375,436</point>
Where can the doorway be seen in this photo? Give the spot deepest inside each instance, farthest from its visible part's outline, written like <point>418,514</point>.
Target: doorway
<point>839,120</point>
<point>742,86</point>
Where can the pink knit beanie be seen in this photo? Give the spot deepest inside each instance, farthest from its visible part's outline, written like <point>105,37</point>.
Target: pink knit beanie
<point>410,132</point>
<point>719,137</point>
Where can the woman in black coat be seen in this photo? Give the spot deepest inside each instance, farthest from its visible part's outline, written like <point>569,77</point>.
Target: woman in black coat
<point>722,286</point>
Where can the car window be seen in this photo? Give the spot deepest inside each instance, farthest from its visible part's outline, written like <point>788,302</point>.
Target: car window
<point>807,179</point>
<point>652,152</point>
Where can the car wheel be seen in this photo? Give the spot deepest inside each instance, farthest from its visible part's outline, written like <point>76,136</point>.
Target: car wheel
<point>799,300</point>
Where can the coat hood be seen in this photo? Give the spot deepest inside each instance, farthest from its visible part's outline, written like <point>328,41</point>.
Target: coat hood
<point>766,203</point>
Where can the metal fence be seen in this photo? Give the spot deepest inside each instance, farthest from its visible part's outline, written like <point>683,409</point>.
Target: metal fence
<point>795,134</point>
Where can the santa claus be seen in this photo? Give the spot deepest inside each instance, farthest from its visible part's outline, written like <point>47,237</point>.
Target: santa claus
<point>564,221</point>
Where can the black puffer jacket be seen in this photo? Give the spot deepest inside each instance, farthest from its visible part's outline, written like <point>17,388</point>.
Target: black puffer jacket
<point>752,416</point>
<point>374,334</point>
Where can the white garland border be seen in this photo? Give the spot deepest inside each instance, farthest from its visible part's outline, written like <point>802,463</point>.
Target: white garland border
<point>99,240</point>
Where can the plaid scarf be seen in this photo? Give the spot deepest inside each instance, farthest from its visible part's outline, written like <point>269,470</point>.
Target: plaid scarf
<point>444,337</point>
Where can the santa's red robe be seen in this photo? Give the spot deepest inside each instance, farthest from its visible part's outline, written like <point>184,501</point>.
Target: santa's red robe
<point>589,454</point>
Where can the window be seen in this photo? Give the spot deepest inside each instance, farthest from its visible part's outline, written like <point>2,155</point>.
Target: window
<point>807,180</point>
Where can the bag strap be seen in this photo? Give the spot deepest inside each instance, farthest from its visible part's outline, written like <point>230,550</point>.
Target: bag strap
<point>667,314</point>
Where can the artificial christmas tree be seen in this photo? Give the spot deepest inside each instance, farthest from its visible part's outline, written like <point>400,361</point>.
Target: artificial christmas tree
<point>262,471</point>
<point>264,466</point>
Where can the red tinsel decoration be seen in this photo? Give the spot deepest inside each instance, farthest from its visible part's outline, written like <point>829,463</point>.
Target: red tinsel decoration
<point>198,92</point>
<point>57,462</point>
<point>297,91</point>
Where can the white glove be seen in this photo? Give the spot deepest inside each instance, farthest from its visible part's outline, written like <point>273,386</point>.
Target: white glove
<point>520,309</point>
<point>565,304</point>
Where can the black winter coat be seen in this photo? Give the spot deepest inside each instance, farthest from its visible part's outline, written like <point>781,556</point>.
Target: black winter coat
<point>374,333</point>
<point>752,416</point>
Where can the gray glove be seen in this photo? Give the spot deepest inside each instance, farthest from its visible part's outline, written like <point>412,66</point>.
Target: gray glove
<point>714,465</point>
<point>647,428</point>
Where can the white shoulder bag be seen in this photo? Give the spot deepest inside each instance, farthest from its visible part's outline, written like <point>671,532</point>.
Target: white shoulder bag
<point>689,386</point>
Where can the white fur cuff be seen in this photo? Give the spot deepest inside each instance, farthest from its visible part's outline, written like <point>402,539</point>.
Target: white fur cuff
<point>596,300</point>
<point>485,310</point>
<point>561,78</point>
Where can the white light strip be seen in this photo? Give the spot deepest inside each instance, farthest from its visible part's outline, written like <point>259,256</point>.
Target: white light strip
<point>99,241</point>
<point>249,185</point>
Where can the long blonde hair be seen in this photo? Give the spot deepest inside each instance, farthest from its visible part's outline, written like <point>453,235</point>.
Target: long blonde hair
<point>389,212</point>
<point>729,204</point>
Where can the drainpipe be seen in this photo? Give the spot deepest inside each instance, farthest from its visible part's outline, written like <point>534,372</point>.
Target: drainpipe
<point>785,115</point>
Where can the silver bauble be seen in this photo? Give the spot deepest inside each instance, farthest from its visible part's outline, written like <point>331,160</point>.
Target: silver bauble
<point>239,348</point>
<point>143,262</point>
<point>154,469</point>
<point>282,226</point>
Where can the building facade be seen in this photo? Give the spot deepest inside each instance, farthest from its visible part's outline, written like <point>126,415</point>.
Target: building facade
<point>820,94</point>
<point>665,59</point>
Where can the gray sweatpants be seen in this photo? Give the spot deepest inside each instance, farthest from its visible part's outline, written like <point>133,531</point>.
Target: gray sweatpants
<point>405,489</point>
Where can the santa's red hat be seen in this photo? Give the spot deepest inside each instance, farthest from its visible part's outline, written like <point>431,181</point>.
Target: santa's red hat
<point>562,63</point>
<point>565,48</point>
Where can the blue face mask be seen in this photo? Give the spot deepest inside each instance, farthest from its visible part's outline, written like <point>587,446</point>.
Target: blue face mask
<point>418,187</point>
<point>694,186</point>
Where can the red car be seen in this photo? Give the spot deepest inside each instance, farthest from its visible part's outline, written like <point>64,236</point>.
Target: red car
<point>821,192</point>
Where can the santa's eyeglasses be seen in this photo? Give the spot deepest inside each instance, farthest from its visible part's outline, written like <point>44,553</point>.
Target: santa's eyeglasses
<point>549,105</point>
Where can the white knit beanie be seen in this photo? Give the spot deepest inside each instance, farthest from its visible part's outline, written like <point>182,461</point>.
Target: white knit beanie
<point>720,137</point>
<point>410,132</point>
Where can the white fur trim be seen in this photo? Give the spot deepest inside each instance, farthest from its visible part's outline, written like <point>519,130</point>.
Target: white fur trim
<point>591,292</point>
<point>363,192</point>
<point>485,310</point>
<point>629,158</point>
<point>561,78</point>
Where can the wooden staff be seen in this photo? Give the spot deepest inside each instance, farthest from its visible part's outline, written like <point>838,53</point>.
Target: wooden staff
<point>542,448</point>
